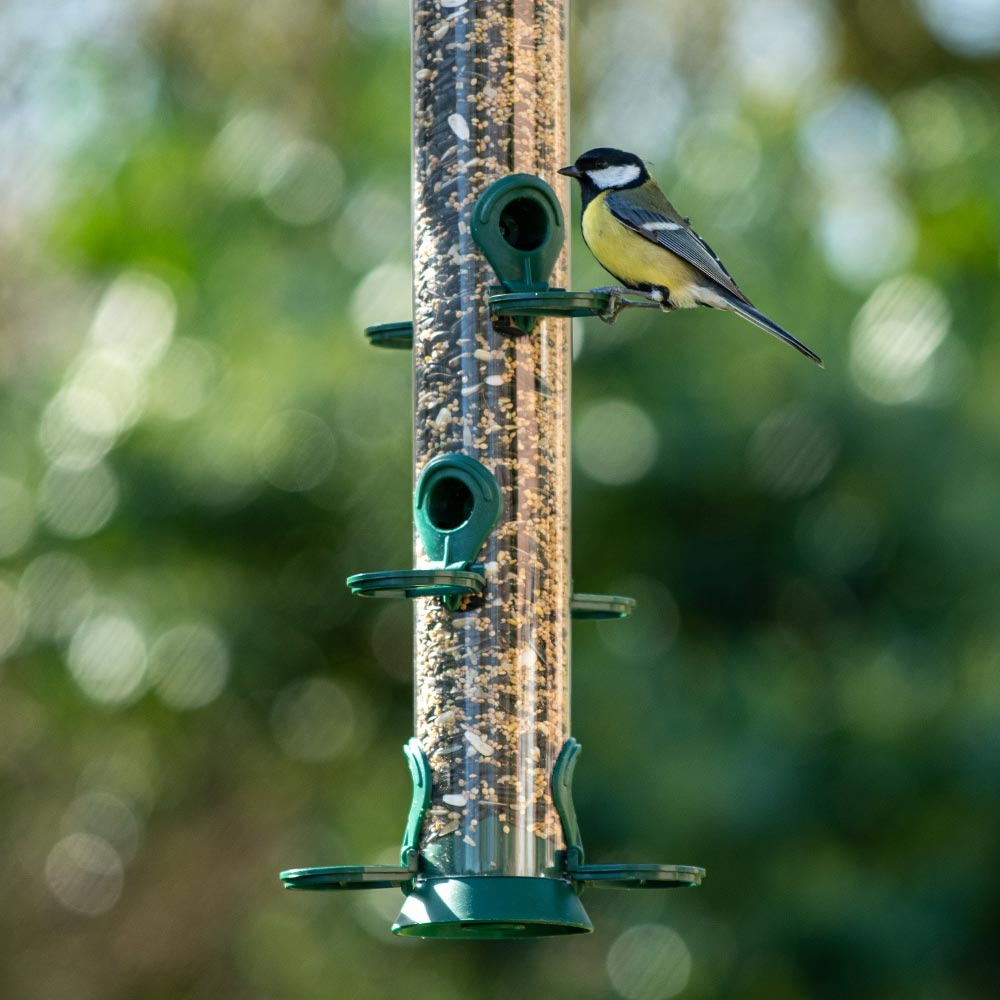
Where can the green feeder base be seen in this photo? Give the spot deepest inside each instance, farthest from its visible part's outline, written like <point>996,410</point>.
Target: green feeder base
<point>491,907</point>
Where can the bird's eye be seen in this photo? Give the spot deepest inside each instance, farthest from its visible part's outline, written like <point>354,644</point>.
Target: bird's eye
<point>601,165</point>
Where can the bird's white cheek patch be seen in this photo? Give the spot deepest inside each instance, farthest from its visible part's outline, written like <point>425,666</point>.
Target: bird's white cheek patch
<point>656,226</point>
<point>612,177</point>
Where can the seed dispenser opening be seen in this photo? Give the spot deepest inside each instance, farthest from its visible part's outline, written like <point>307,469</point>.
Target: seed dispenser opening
<point>449,504</point>
<point>524,224</point>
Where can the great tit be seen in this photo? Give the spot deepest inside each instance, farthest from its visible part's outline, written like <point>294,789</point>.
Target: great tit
<point>644,242</point>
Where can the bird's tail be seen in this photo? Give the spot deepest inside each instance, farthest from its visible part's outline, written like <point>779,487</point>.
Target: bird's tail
<point>747,311</point>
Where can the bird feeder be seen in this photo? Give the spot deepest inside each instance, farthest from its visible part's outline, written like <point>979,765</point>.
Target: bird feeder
<point>492,847</point>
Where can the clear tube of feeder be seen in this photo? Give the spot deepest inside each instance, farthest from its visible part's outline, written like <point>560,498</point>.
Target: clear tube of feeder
<point>492,678</point>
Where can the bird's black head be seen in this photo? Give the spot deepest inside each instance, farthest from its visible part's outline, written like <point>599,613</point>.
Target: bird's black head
<point>607,169</point>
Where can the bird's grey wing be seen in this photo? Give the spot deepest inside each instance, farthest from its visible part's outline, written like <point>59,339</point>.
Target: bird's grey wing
<point>674,234</point>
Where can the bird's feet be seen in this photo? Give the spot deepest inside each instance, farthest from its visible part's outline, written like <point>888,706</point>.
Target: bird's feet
<point>616,302</point>
<point>630,298</point>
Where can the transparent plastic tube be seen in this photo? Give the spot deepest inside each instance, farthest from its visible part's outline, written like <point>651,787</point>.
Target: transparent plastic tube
<point>492,678</point>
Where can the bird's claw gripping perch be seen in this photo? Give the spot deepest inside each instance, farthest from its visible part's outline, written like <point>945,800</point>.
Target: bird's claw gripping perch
<point>627,298</point>
<point>615,304</point>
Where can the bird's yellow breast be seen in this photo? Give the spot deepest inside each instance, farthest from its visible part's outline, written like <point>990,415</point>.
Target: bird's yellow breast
<point>630,257</point>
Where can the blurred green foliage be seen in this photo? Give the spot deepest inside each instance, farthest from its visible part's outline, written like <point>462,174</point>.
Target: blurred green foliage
<point>202,205</point>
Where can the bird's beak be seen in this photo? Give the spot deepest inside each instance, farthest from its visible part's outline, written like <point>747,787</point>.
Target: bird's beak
<point>571,171</point>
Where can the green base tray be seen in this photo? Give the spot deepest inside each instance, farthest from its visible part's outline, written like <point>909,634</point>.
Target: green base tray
<point>491,907</point>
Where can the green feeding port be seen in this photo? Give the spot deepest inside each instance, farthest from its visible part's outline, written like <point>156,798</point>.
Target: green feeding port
<point>450,503</point>
<point>456,505</point>
<point>518,224</point>
<point>524,224</point>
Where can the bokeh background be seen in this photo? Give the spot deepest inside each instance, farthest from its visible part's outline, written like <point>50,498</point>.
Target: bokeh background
<point>202,204</point>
